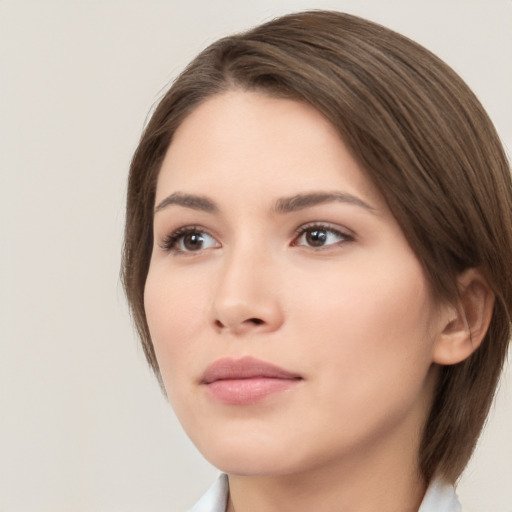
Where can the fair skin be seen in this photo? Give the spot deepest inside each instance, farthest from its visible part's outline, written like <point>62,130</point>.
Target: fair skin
<point>323,286</point>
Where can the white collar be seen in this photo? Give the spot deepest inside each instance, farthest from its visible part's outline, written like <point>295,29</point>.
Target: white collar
<point>440,497</point>
<point>216,497</point>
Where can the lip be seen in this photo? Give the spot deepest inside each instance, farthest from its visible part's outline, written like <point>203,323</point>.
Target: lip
<point>246,380</point>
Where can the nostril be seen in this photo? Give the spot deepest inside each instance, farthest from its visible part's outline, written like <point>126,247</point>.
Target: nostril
<point>235,326</point>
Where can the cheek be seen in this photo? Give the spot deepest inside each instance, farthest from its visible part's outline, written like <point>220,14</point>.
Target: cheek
<point>369,347</point>
<point>368,319</point>
<point>175,314</point>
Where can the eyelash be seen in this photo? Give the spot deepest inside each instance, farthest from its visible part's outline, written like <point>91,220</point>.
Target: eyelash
<point>170,242</point>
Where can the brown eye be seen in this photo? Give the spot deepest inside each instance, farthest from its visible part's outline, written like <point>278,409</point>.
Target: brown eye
<point>189,239</point>
<point>192,241</point>
<point>318,237</point>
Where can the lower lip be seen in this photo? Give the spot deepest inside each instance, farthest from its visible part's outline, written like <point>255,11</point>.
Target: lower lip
<point>248,391</point>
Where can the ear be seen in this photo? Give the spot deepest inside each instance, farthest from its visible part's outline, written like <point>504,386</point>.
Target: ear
<point>467,320</point>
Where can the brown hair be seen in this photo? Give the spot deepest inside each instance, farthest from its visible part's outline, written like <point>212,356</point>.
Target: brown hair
<point>421,136</point>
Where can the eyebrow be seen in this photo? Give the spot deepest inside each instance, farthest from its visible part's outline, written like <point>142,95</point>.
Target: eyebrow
<point>308,200</point>
<point>282,205</point>
<point>192,201</point>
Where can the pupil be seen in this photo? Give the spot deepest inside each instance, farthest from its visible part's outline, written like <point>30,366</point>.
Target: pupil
<point>193,241</point>
<point>316,237</point>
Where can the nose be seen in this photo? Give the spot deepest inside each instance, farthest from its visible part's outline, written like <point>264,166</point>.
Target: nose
<point>246,298</point>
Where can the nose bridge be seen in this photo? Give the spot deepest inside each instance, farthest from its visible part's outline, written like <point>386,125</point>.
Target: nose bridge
<point>245,297</point>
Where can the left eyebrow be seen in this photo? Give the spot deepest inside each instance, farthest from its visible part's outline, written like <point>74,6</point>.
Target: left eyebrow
<point>188,201</point>
<point>308,200</point>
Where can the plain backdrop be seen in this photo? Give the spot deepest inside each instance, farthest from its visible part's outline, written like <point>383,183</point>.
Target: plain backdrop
<point>83,424</point>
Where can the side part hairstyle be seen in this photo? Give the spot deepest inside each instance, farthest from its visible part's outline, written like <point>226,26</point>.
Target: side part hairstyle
<point>423,139</point>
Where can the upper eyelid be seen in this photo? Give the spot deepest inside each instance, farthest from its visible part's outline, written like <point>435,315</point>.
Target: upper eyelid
<point>186,228</point>
<point>328,226</point>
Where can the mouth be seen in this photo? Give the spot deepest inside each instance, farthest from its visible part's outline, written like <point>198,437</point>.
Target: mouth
<point>246,381</point>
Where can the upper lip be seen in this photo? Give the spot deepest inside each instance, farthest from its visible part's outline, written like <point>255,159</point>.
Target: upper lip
<point>244,368</point>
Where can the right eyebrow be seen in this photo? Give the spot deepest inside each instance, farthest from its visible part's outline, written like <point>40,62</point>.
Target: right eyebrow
<point>188,201</point>
<point>308,200</point>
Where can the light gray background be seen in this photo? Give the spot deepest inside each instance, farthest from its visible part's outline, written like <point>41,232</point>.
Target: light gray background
<point>83,425</point>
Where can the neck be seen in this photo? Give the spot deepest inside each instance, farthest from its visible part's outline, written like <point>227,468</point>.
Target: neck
<point>327,491</point>
<point>386,478</point>
<point>327,494</point>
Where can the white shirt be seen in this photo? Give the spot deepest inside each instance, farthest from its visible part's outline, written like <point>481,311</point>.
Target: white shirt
<point>440,497</point>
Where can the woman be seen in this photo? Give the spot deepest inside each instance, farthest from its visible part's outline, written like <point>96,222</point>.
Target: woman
<point>319,222</point>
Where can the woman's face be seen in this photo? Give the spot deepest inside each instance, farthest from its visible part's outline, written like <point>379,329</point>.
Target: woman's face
<point>293,325</point>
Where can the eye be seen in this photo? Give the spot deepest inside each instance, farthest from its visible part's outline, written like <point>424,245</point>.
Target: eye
<point>188,240</point>
<point>318,236</point>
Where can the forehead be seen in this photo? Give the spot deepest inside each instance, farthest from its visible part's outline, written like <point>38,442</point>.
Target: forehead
<point>256,143</point>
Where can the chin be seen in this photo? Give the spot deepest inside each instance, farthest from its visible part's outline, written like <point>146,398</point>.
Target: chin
<point>249,458</point>
<point>256,466</point>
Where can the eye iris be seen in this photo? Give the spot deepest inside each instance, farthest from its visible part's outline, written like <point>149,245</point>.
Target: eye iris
<point>193,241</point>
<point>316,237</point>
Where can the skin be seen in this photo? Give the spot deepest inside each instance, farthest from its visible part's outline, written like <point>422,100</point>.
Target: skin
<point>354,318</point>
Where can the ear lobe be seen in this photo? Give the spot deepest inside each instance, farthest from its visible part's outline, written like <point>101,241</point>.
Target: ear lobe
<point>468,319</point>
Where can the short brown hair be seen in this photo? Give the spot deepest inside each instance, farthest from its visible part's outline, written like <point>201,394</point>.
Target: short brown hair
<point>421,136</point>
